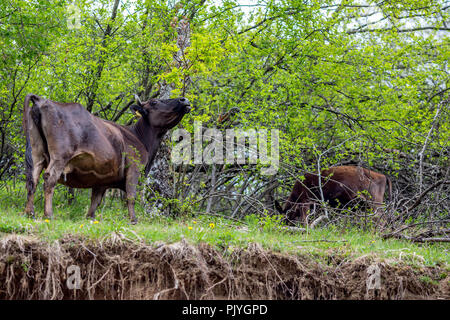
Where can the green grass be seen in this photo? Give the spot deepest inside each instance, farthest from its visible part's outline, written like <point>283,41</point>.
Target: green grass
<point>222,233</point>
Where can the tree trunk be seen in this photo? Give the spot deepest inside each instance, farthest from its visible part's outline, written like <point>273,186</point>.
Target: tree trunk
<point>159,182</point>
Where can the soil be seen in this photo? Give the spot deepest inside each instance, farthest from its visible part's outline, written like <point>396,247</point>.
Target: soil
<point>121,269</point>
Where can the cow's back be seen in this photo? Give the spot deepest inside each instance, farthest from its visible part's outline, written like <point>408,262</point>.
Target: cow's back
<point>91,147</point>
<point>347,182</point>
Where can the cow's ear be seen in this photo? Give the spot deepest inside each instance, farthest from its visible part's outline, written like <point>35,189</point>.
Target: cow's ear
<point>35,99</point>
<point>139,110</point>
<point>137,100</point>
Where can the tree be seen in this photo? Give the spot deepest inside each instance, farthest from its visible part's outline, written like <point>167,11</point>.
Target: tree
<point>345,82</point>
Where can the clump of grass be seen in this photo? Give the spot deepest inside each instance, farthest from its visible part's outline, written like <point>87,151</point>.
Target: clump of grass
<point>428,280</point>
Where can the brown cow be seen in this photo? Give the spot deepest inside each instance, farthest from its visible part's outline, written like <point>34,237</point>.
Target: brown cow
<point>341,186</point>
<point>80,150</point>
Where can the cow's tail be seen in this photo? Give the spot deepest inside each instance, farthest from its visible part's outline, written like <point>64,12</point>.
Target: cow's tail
<point>27,117</point>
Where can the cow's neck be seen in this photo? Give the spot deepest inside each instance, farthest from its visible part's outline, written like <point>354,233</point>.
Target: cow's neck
<point>150,137</point>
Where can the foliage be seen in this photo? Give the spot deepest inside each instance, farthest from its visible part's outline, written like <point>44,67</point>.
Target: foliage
<point>345,82</point>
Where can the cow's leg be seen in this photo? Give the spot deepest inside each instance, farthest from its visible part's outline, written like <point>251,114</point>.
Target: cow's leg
<point>379,214</point>
<point>31,187</point>
<point>304,209</point>
<point>96,198</point>
<point>51,176</point>
<point>377,204</point>
<point>130,188</point>
<point>35,163</point>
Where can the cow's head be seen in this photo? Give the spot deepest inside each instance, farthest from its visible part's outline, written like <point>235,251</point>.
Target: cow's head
<point>292,212</point>
<point>163,114</point>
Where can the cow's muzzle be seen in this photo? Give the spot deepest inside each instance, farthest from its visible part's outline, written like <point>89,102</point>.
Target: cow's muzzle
<point>186,105</point>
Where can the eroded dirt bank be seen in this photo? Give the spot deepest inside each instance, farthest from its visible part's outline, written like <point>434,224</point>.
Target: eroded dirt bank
<point>118,269</point>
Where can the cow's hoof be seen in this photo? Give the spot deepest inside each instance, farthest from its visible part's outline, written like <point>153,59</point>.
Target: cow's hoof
<point>30,216</point>
<point>48,215</point>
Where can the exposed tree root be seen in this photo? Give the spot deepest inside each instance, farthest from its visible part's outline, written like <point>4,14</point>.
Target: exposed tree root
<point>120,269</point>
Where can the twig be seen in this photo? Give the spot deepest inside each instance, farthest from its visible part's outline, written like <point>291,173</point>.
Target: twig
<point>320,240</point>
<point>419,199</point>
<point>296,229</point>
<point>432,240</point>
<point>396,232</point>
<point>425,144</point>
<point>223,216</point>
<point>419,239</point>
<point>317,221</point>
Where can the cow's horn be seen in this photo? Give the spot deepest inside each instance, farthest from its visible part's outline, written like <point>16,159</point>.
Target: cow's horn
<point>138,101</point>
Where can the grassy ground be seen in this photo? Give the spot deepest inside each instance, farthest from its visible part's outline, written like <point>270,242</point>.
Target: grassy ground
<point>220,232</point>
